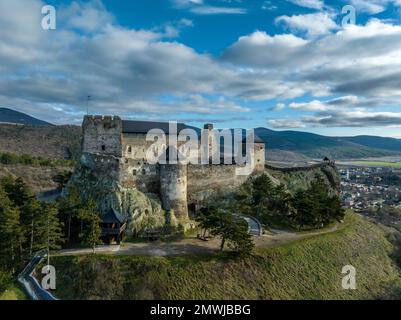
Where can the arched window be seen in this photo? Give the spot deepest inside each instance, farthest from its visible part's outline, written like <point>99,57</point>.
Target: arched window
<point>129,149</point>
<point>103,147</point>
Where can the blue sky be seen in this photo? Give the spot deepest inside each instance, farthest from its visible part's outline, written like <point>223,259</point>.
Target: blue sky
<point>285,65</point>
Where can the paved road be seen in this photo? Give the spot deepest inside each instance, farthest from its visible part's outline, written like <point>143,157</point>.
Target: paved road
<point>254,226</point>
<point>99,249</point>
<point>29,282</point>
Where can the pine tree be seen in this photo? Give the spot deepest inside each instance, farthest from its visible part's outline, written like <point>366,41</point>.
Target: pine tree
<point>32,211</point>
<point>231,229</point>
<point>281,201</point>
<point>68,210</point>
<point>48,229</point>
<point>94,231</point>
<point>91,230</point>
<point>315,207</point>
<point>11,235</point>
<point>62,178</point>
<point>18,192</point>
<point>243,200</point>
<point>239,238</point>
<point>262,189</point>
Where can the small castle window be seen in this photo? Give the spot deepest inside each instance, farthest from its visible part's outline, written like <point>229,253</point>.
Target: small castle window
<point>103,147</point>
<point>143,171</point>
<point>129,149</point>
<point>134,172</point>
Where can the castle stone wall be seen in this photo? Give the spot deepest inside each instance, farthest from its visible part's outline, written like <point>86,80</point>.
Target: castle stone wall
<point>206,182</point>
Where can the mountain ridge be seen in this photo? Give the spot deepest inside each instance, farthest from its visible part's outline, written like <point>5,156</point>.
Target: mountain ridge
<point>317,146</point>
<point>11,116</point>
<point>286,146</point>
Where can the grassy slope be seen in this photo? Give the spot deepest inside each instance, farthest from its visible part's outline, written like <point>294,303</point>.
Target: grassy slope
<point>378,164</point>
<point>308,269</point>
<point>13,293</point>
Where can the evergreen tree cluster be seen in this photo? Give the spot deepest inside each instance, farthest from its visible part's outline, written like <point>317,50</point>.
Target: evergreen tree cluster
<point>81,219</point>
<point>26,225</point>
<point>272,205</point>
<point>232,229</point>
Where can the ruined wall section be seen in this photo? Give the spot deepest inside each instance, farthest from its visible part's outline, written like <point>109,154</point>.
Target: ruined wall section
<point>208,182</point>
<point>135,171</point>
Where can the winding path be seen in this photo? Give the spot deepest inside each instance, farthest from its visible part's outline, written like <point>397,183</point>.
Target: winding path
<point>193,245</point>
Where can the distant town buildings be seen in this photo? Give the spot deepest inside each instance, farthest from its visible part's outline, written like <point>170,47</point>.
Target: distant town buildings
<point>366,187</point>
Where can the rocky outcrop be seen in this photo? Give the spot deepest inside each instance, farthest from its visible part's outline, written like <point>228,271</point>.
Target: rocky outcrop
<point>300,178</point>
<point>97,178</point>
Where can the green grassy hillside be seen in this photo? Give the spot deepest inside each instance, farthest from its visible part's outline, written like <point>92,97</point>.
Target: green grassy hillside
<point>13,293</point>
<point>308,269</point>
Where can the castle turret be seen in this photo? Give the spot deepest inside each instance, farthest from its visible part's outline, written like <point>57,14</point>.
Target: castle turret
<point>212,144</point>
<point>259,154</point>
<point>173,188</point>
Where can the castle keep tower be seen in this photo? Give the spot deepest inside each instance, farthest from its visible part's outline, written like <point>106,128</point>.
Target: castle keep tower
<point>102,135</point>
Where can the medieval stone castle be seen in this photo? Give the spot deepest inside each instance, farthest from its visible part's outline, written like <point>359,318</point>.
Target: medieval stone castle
<point>114,156</point>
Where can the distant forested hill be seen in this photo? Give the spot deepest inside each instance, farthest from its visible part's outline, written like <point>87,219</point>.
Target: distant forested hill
<point>12,116</point>
<point>318,146</point>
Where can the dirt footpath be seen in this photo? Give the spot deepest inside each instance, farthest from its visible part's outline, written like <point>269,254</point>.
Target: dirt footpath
<point>194,245</point>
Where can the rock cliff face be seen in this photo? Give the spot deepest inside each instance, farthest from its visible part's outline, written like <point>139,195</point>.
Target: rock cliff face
<point>301,178</point>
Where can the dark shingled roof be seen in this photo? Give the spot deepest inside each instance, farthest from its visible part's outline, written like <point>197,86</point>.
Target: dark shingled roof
<point>133,126</point>
<point>113,216</point>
